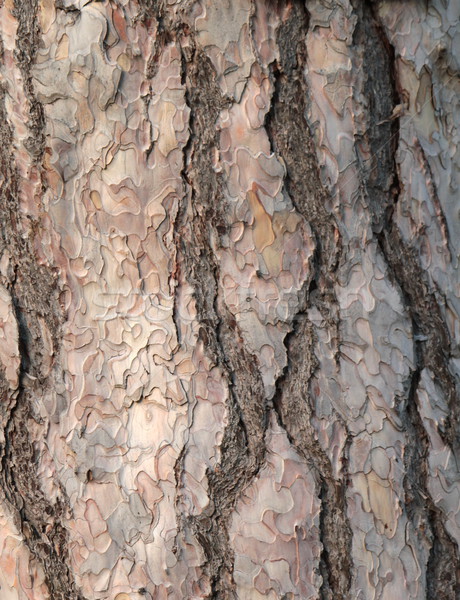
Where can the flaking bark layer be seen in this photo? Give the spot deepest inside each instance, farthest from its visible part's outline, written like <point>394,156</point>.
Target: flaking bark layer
<point>229,307</point>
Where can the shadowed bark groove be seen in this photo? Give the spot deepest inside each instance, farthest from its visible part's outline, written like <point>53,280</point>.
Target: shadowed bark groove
<point>243,447</point>
<point>34,293</point>
<point>27,43</point>
<point>428,519</point>
<point>290,137</point>
<point>431,353</point>
<point>429,330</point>
<point>380,97</point>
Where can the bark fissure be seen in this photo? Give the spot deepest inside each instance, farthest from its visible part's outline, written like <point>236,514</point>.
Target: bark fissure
<point>40,521</point>
<point>292,404</point>
<point>33,290</point>
<point>431,338</point>
<point>441,574</point>
<point>292,401</point>
<point>242,448</point>
<point>34,293</point>
<point>27,43</point>
<point>380,97</point>
<point>434,193</point>
<point>429,326</point>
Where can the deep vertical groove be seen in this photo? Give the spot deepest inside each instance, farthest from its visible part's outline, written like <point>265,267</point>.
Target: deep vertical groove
<point>429,330</point>
<point>428,520</point>
<point>379,96</point>
<point>243,446</point>
<point>27,43</point>
<point>34,293</point>
<point>290,137</point>
<point>443,575</point>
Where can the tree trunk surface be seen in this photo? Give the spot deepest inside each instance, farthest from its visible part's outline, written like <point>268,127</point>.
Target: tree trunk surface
<point>229,299</point>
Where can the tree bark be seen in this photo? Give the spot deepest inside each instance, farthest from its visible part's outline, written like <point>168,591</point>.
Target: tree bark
<point>229,299</point>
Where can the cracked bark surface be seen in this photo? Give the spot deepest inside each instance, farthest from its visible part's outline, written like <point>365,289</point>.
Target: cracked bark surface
<point>229,306</point>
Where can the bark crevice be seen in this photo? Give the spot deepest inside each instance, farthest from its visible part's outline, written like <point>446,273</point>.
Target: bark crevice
<point>427,518</point>
<point>293,142</point>
<point>429,327</point>
<point>243,445</point>
<point>431,338</point>
<point>380,98</point>
<point>34,294</point>
<point>27,44</point>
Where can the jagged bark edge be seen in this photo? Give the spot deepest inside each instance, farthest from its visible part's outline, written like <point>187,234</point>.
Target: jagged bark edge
<point>243,444</point>
<point>291,139</point>
<point>33,288</point>
<point>430,344</point>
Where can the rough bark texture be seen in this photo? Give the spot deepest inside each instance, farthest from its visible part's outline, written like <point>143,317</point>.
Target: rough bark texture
<point>229,299</point>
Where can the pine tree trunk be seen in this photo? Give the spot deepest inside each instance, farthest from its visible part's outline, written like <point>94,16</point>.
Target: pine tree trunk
<point>229,299</point>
